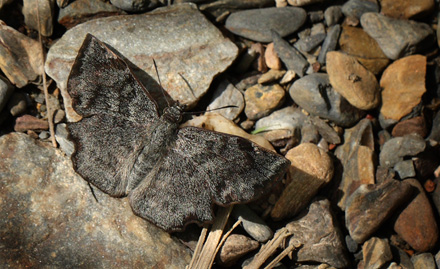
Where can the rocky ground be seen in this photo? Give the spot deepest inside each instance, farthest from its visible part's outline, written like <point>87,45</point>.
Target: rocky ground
<point>348,91</point>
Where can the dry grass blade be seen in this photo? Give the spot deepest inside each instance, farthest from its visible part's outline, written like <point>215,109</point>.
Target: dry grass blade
<point>283,254</point>
<point>206,257</point>
<point>268,249</point>
<point>46,93</point>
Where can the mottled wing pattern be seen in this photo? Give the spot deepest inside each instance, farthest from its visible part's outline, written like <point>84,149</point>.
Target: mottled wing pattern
<point>101,82</point>
<point>117,112</point>
<point>202,168</point>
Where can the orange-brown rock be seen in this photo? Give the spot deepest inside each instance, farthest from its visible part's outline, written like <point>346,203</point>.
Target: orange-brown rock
<point>407,9</point>
<point>356,42</point>
<point>416,224</point>
<point>353,81</point>
<point>403,84</point>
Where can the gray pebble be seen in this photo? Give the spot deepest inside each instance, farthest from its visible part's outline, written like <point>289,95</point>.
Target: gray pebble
<point>332,15</point>
<point>135,5</point>
<point>290,56</point>
<point>61,135</point>
<point>315,94</point>
<point>423,260</point>
<point>396,148</point>
<point>397,38</point>
<point>256,24</point>
<point>6,90</point>
<point>316,16</point>
<point>227,95</point>
<point>330,42</point>
<point>44,135</point>
<point>252,223</point>
<point>355,8</point>
<point>308,43</point>
<point>405,169</point>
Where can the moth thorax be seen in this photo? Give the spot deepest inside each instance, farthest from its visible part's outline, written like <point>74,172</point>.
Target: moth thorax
<point>173,114</point>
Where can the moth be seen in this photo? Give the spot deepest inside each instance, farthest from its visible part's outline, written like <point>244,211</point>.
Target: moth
<point>125,146</point>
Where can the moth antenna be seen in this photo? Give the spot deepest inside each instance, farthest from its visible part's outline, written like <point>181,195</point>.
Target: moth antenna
<point>160,83</point>
<point>92,191</point>
<point>197,112</point>
<point>187,84</point>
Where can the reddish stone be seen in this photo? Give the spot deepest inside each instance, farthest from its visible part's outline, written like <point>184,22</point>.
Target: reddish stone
<point>416,223</point>
<point>28,122</point>
<point>429,186</point>
<point>415,125</point>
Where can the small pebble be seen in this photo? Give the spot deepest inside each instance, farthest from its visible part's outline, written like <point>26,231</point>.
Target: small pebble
<point>226,95</point>
<point>290,56</point>
<point>416,224</point>
<point>355,83</point>
<point>332,15</point>
<point>397,38</point>
<point>330,42</point>
<point>271,57</point>
<point>256,24</point>
<point>252,223</point>
<point>235,247</point>
<point>395,149</point>
<point>262,100</point>
<point>371,205</point>
<point>319,236</point>
<point>376,253</point>
<point>28,122</point>
<point>311,169</point>
<point>355,8</point>
<point>271,76</point>
<point>403,84</point>
<point>405,169</point>
<point>423,260</point>
<point>135,5</point>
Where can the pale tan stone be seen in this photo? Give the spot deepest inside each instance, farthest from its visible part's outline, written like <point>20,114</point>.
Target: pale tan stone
<point>403,84</point>
<point>353,81</point>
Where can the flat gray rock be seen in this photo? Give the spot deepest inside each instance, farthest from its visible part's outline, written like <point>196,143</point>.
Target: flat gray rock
<point>397,38</point>
<point>256,24</point>
<point>49,217</point>
<point>197,51</point>
<point>315,94</point>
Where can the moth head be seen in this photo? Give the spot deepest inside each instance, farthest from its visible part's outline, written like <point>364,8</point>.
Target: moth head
<point>173,113</point>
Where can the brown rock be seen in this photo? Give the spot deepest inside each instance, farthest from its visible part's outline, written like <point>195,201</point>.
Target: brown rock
<point>262,100</point>
<point>311,169</point>
<point>348,77</point>
<point>407,9</point>
<point>416,223</point>
<point>415,125</point>
<point>271,57</point>
<point>45,15</point>
<point>355,42</point>
<point>80,11</point>
<point>235,247</point>
<point>376,253</point>
<point>319,236</point>
<point>271,76</point>
<point>357,158</point>
<point>20,56</point>
<point>371,205</point>
<point>403,84</point>
<point>28,122</point>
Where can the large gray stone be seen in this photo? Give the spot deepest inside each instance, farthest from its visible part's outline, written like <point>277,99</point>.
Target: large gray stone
<point>179,38</point>
<point>49,217</point>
